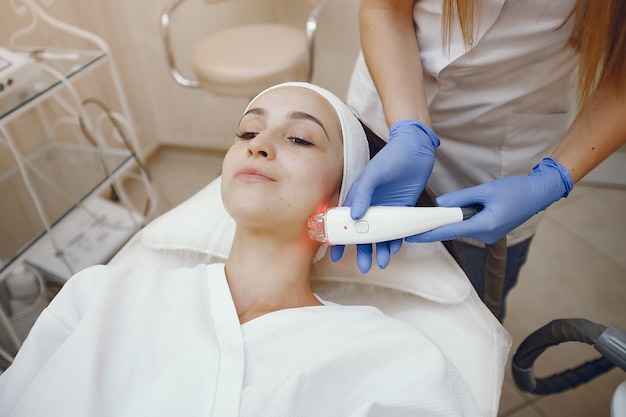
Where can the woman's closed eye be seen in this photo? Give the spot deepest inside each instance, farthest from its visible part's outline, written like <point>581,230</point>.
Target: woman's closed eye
<point>300,141</point>
<point>246,135</point>
<point>296,140</point>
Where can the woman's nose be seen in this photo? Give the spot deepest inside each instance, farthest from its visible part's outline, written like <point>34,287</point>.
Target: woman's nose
<point>261,146</point>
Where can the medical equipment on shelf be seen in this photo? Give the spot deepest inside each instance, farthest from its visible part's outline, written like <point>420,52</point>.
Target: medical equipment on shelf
<point>608,340</point>
<point>423,286</point>
<point>88,235</point>
<point>382,223</point>
<point>18,71</point>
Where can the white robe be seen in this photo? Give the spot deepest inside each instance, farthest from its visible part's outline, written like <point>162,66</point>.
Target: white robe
<point>137,341</point>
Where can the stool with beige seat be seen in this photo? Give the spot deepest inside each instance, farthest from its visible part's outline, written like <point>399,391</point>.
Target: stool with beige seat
<point>245,58</point>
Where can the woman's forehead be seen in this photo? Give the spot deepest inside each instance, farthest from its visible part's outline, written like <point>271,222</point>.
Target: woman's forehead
<point>299,94</point>
<point>297,99</point>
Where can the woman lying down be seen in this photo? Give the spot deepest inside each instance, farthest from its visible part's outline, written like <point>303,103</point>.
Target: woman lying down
<point>249,337</point>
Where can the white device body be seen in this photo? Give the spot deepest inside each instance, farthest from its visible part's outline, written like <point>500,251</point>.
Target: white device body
<point>384,223</point>
<point>18,74</point>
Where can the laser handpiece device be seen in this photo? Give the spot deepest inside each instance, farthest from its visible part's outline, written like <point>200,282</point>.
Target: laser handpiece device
<point>382,223</point>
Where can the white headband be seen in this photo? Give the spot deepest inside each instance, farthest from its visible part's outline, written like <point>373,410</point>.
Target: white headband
<point>355,147</point>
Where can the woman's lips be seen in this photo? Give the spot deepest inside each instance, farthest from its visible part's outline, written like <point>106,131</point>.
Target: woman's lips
<point>252,174</point>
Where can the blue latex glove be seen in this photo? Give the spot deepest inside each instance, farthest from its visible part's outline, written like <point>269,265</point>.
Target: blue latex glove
<point>396,176</point>
<point>508,202</point>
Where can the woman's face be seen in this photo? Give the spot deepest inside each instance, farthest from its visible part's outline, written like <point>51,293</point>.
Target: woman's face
<point>286,162</point>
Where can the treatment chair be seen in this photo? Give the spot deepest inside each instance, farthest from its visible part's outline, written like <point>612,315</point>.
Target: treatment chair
<point>248,53</point>
<point>422,285</point>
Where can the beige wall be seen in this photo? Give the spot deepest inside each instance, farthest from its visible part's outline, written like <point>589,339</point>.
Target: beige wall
<point>164,112</point>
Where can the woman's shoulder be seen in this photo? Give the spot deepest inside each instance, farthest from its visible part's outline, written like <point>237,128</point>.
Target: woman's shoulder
<point>367,319</point>
<point>99,277</point>
<point>358,311</point>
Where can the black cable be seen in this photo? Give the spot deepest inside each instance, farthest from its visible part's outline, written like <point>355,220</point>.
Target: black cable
<point>552,334</point>
<point>494,272</point>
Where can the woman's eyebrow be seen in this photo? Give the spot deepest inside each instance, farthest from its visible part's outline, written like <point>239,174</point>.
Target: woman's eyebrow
<point>255,110</point>
<point>307,116</point>
<point>292,115</point>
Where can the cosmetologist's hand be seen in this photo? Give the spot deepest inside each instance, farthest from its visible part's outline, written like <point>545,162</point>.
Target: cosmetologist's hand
<point>396,176</point>
<point>508,202</point>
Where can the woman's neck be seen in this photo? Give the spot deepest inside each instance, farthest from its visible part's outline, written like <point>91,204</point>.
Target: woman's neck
<point>266,274</point>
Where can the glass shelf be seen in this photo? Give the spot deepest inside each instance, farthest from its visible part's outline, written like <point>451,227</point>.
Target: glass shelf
<point>57,191</point>
<point>51,173</point>
<point>46,70</point>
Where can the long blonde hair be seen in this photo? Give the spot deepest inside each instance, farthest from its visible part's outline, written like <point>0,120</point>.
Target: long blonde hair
<point>598,35</point>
